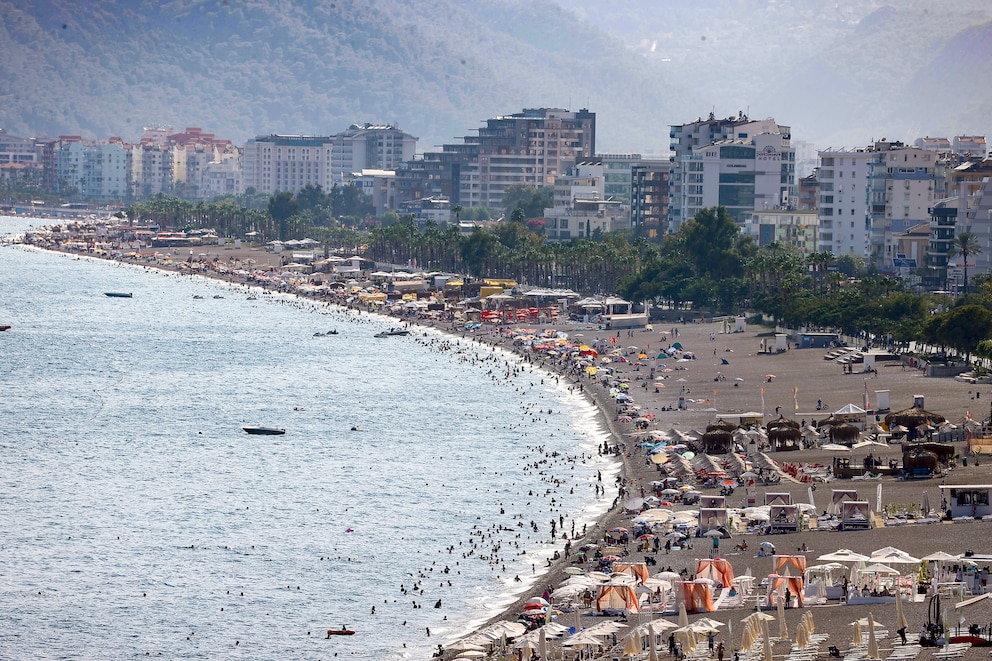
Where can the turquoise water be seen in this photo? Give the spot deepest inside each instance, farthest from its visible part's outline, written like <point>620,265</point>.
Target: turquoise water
<point>138,518</point>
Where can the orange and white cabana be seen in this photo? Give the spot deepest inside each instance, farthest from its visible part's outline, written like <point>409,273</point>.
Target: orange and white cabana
<point>793,584</point>
<point>638,570</point>
<point>717,570</point>
<point>789,565</point>
<point>697,596</point>
<point>614,597</point>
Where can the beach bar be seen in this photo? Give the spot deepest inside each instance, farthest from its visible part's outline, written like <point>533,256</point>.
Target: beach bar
<point>966,500</point>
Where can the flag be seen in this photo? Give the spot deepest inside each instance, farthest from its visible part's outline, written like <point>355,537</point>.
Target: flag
<point>867,403</point>
<point>795,397</point>
<point>762,403</point>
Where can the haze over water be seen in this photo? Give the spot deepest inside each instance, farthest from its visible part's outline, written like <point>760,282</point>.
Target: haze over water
<point>138,517</point>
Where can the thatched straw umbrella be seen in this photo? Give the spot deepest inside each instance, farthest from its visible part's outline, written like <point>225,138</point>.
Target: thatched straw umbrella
<point>721,425</point>
<point>913,417</point>
<point>844,433</point>
<point>784,437</point>
<point>781,421</point>
<point>717,441</point>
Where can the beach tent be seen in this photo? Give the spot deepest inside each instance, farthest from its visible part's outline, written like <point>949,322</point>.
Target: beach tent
<point>837,497</point>
<point>638,570</point>
<point>715,569</point>
<point>697,596</point>
<point>790,565</point>
<point>615,597</point>
<point>793,584</point>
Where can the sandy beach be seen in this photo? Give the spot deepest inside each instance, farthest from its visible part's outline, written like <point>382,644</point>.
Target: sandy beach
<point>728,377</point>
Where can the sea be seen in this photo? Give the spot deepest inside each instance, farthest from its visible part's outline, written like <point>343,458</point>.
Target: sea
<point>409,500</point>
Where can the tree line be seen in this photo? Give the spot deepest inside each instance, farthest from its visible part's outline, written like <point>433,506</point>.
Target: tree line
<point>707,265</point>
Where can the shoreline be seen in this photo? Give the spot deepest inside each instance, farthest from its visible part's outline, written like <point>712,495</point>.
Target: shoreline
<point>553,574</point>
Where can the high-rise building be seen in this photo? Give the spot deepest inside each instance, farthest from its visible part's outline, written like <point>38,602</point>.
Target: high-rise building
<point>843,203</point>
<point>530,147</point>
<point>369,147</point>
<point>98,170</point>
<point>736,163</point>
<point>276,163</point>
<point>903,185</point>
<point>649,197</point>
<point>581,209</point>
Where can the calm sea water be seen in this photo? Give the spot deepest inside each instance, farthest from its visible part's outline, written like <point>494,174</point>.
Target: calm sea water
<point>137,518</point>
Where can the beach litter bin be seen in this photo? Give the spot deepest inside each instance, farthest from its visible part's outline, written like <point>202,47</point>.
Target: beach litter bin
<point>964,461</point>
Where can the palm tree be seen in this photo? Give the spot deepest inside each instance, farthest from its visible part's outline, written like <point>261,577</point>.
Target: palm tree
<point>966,243</point>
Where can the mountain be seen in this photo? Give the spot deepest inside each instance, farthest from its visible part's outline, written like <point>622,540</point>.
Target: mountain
<point>438,68</point>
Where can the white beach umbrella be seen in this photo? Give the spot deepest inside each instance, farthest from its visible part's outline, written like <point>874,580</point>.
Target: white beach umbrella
<point>783,629</point>
<point>843,555</point>
<point>872,640</point>
<point>900,616</point>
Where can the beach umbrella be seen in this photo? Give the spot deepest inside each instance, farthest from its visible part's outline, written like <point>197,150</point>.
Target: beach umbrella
<point>891,556</point>
<point>856,635</point>
<point>652,653</point>
<point>766,646</point>
<point>872,640</point>
<point>542,643</point>
<point>879,568</point>
<point>631,647</point>
<point>900,616</point>
<point>843,555</point>
<point>783,629</point>
<point>683,615</point>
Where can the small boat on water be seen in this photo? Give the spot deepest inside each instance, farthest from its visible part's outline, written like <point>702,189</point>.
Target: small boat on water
<point>265,431</point>
<point>330,332</point>
<point>340,632</point>
<point>393,331</point>
<point>117,294</point>
<point>3,328</point>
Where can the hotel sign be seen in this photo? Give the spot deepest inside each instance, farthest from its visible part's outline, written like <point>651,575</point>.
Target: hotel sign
<point>769,153</point>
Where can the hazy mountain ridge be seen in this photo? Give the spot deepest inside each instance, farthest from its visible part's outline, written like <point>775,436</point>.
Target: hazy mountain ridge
<point>440,67</point>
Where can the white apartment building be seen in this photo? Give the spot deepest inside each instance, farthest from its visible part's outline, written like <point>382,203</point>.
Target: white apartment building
<point>369,147</point>
<point>580,206</point>
<point>786,226</point>
<point>843,208</point>
<point>737,163</point>
<point>221,177</point>
<point>903,185</point>
<point>95,170</point>
<point>742,174</point>
<point>289,162</point>
<point>286,163</point>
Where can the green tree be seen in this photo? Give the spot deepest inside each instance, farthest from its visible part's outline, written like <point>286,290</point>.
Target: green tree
<point>476,250</point>
<point>966,244</point>
<point>282,206</point>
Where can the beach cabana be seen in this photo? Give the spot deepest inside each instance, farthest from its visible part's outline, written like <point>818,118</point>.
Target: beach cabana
<point>617,598</point>
<point>784,438</point>
<point>781,584</point>
<point>717,441</point>
<point>721,425</point>
<point>844,434</point>
<point>783,518</point>
<point>837,498</point>
<point>697,596</point>
<point>717,570</point>
<point>638,570</point>
<point>912,418</point>
<point>855,515</point>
